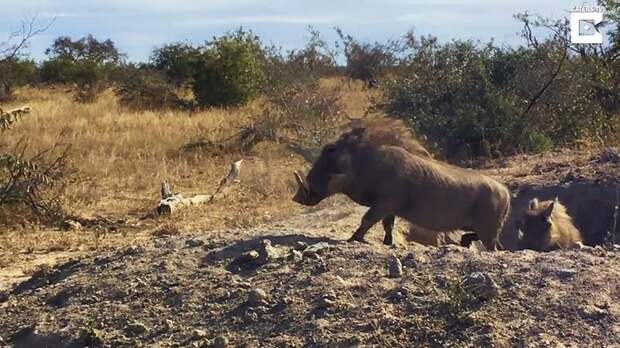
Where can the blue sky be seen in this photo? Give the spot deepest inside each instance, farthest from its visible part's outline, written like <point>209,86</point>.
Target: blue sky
<point>139,26</point>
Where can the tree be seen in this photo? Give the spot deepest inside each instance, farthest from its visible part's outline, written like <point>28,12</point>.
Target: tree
<point>230,71</point>
<point>14,69</point>
<point>177,61</point>
<point>86,62</point>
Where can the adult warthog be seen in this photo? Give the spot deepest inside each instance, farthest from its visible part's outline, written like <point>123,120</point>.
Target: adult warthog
<point>393,181</point>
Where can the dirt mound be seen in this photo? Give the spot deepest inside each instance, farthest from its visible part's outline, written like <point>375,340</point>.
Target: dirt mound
<point>305,287</point>
<point>587,183</point>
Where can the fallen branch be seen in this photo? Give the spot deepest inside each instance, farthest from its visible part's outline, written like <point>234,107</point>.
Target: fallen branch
<point>171,202</point>
<point>7,118</point>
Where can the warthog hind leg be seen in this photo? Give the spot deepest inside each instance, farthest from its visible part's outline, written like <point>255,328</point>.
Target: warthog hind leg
<point>372,216</point>
<point>388,227</point>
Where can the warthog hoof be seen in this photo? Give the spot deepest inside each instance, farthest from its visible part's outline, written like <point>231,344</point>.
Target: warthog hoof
<point>355,239</point>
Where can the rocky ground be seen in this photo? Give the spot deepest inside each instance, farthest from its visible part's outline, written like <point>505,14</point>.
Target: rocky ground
<point>295,283</point>
<point>298,284</point>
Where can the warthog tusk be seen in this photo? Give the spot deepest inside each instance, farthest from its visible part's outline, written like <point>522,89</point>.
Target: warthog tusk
<point>300,181</point>
<point>520,235</point>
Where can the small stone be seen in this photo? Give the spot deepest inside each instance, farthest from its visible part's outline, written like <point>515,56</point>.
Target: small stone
<point>324,303</point>
<point>395,267</point>
<point>220,342</point>
<point>71,225</point>
<point>327,300</point>
<point>246,257</point>
<point>132,250</point>
<point>268,253</point>
<point>592,312</point>
<point>316,249</point>
<point>197,333</point>
<point>295,256</point>
<point>299,245</point>
<point>566,273</point>
<point>257,297</point>
<point>4,296</point>
<point>168,324</point>
<point>60,299</point>
<point>135,328</point>
<point>480,285</point>
<point>194,242</point>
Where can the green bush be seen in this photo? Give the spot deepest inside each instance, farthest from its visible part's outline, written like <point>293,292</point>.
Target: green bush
<point>176,61</point>
<point>482,100</point>
<point>86,62</point>
<point>230,71</point>
<point>15,72</point>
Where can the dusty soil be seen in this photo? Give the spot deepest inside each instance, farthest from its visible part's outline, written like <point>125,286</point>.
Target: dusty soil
<point>202,290</point>
<point>306,287</point>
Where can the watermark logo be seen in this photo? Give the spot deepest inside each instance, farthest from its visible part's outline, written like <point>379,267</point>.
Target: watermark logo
<point>584,25</point>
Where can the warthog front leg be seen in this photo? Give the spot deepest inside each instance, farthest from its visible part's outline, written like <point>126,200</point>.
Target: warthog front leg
<point>388,227</point>
<point>372,216</point>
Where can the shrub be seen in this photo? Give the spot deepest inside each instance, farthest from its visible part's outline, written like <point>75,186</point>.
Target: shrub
<point>479,100</point>
<point>15,72</point>
<point>143,89</point>
<point>367,61</point>
<point>177,62</point>
<point>230,71</point>
<point>32,182</point>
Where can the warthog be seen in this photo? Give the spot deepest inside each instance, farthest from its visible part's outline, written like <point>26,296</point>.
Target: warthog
<point>546,226</point>
<point>393,181</point>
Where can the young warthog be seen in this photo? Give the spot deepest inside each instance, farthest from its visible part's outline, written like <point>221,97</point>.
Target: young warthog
<point>394,182</point>
<point>546,226</point>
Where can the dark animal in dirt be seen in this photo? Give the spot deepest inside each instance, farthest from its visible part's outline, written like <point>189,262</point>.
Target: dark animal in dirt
<point>392,181</point>
<point>547,226</point>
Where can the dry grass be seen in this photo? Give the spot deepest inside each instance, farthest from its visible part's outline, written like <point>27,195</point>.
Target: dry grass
<point>121,156</point>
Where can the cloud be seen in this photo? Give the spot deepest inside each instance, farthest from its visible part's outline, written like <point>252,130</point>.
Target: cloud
<point>280,19</point>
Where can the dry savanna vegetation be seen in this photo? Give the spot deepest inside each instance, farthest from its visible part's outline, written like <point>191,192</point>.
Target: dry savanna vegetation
<point>119,157</point>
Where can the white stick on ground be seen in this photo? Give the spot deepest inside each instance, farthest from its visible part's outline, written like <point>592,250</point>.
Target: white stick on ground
<point>171,202</point>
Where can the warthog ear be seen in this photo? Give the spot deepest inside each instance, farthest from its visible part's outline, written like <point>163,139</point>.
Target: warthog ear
<point>336,183</point>
<point>534,204</point>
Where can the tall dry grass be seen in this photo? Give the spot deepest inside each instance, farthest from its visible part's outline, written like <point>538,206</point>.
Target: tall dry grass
<point>121,156</point>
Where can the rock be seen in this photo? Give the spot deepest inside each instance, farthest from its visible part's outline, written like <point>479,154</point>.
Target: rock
<point>132,250</point>
<point>299,245</point>
<point>4,296</point>
<point>71,225</point>
<point>592,312</point>
<point>610,155</point>
<point>268,253</point>
<point>220,342</point>
<point>316,249</point>
<point>295,256</point>
<point>60,299</point>
<point>194,242</point>
<point>135,328</point>
<point>566,273</point>
<point>480,285</point>
<point>327,300</point>
<point>395,267</point>
<point>247,256</point>
<point>197,333</point>
<point>258,297</point>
